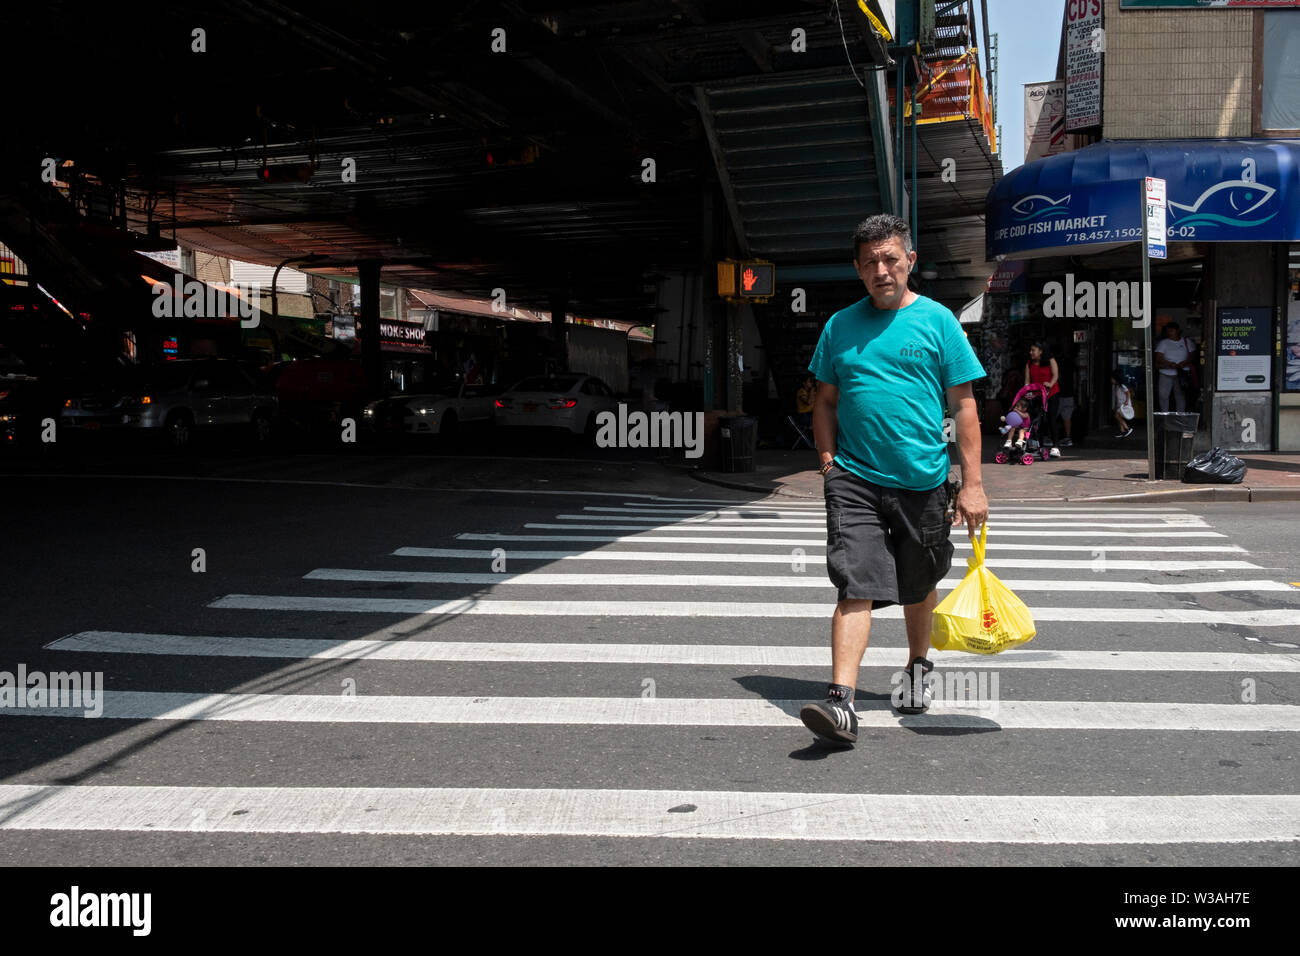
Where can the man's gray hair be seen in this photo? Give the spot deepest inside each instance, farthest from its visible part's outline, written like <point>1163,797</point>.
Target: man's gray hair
<point>880,228</point>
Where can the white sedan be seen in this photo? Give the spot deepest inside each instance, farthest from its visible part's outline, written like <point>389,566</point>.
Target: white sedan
<point>564,400</point>
<point>439,412</point>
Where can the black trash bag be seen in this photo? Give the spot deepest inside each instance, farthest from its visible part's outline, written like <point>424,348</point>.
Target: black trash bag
<point>1214,467</point>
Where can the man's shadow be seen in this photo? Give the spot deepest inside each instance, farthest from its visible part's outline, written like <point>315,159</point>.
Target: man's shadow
<point>791,693</point>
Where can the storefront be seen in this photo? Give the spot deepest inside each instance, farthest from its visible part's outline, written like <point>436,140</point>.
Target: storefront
<point>1233,209</point>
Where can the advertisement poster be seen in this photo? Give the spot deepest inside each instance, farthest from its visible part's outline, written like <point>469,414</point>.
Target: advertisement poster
<point>1245,352</point>
<point>1084,44</point>
<point>1208,4</point>
<point>1044,119</point>
<point>1293,334</point>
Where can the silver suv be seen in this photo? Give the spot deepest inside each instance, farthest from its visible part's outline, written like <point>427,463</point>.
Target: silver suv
<point>174,399</point>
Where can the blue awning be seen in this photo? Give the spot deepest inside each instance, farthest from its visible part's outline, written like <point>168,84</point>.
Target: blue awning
<point>1219,190</point>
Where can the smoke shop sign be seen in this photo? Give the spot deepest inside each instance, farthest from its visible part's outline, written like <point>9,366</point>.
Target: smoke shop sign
<point>405,336</point>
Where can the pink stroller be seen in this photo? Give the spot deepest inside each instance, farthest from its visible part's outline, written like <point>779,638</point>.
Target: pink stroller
<point>1035,394</point>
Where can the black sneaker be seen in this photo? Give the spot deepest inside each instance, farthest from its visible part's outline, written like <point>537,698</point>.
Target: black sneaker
<point>910,702</point>
<point>832,719</point>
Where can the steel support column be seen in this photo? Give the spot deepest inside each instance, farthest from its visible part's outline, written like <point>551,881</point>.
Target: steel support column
<point>372,362</point>
<point>881,136</point>
<point>559,330</point>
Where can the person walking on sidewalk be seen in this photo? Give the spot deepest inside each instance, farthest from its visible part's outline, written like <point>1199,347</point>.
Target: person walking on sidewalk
<point>1122,403</point>
<point>1069,385</point>
<point>803,401</point>
<point>1172,354</point>
<point>1041,369</point>
<point>886,365</point>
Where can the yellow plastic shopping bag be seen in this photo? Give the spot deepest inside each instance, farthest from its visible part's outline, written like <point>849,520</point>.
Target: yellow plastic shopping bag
<point>980,615</point>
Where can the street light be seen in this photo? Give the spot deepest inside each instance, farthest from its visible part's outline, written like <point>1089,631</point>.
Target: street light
<point>275,278</point>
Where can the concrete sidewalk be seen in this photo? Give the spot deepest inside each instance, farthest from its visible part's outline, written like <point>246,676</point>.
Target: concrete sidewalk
<point>1080,474</point>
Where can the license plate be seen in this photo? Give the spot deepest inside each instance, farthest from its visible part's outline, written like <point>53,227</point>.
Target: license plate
<point>91,425</point>
<point>530,408</point>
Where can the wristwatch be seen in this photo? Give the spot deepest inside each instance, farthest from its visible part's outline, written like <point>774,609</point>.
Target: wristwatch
<point>827,467</point>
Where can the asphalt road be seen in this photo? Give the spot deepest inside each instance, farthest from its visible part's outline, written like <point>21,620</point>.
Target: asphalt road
<point>539,733</point>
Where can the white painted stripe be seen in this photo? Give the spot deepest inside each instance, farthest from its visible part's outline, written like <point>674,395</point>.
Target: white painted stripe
<point>554,579</point>
<point>1099,510</point>
<point>291,648</point>
<point>781,510</point>
<point>667,512</point>
<point>719,557</point>
<point>957,540</point>
<point>698,527</point>
<point>1281,617</point>
<point>800,523</point>
<point>675,712</point>
<point>1049,510</point>
<point>837,817</point>
<point>819,541</point>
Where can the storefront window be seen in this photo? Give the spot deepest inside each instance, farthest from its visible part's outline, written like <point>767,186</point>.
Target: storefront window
<point>1291,373</point>
<point>1280,103</point>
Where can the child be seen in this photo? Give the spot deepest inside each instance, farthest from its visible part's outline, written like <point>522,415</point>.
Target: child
<point>1123,404</point>
<point>1017,423</point>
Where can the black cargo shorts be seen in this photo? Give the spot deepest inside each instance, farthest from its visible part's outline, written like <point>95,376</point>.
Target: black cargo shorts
<point>885,545</point>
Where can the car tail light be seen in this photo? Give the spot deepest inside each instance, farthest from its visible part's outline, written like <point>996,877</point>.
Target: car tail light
<point>502,403</point>
<point>68,403</point>
<point>564,403</point>
<point>146,400</point>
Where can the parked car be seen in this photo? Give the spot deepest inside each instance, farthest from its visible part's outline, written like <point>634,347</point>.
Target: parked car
<point>439,411</point>
<point>175,399</point>
<point>25,401</point>
<point>571,401</point>
<point>316,394</point>
<point>19,409</point>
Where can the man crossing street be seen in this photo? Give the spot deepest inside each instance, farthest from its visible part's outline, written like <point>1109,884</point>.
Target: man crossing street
<point>886,365</point>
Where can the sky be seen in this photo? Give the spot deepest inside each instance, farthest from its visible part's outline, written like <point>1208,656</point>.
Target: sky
<point>1029,32</point>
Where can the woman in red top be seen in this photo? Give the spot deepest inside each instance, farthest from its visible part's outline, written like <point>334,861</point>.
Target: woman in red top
<point>1041,369</point>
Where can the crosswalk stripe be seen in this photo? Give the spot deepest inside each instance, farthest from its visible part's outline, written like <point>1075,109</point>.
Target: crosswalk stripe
<point>782,509</point>
<point>720,557</point>
<point>120,642</point>
<point>462,811</point>
<point>957,540</point>
<point>1048,510</point>
<point>554,579</point>
<point>700,527</point>
<point>1281,617</point>
<point>750,515</point>
<point>675,711</point>
<point>802,523</point>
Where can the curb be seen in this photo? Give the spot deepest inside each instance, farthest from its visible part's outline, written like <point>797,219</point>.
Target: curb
<point>710,479</point>
<point>1238,493</point>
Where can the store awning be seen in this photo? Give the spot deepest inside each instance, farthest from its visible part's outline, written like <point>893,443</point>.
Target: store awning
<point>1221,190</point>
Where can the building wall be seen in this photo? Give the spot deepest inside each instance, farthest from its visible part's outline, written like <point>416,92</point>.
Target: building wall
<point>1176,73</point>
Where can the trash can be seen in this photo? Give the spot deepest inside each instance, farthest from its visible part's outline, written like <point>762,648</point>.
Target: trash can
<point>1175,434</point>
<point>739,435</point>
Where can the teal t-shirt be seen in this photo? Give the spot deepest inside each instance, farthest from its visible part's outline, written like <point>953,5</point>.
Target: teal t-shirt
<point>892,368</point>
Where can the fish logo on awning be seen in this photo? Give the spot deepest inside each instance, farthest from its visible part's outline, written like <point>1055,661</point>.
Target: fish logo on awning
<point>1039,206</point>
<point>1229,203</point>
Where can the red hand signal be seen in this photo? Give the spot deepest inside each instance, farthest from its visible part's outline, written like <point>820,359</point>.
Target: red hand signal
<point>748,279</point>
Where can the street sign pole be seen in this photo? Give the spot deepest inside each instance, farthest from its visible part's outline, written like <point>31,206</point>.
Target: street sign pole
<point>1155,245</point>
